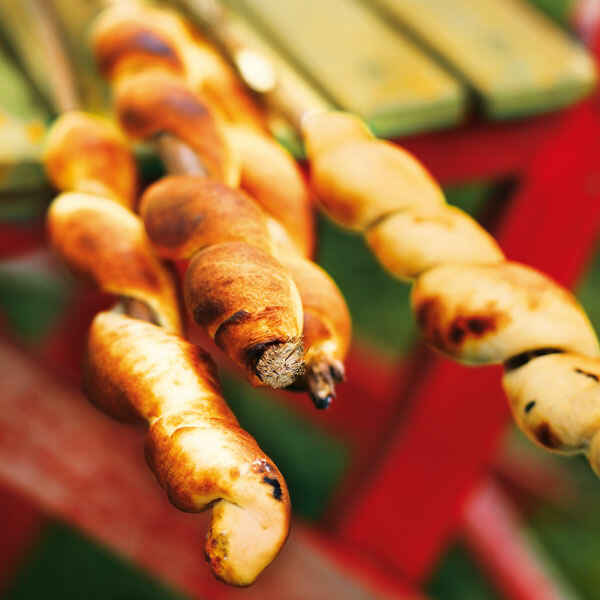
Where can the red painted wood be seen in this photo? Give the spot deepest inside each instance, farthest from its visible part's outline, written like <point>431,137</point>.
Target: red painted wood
<point>20,238</point>
<point>481,150</point>
<point>495,534</point>
<point>446,444</point>
<point>76,464</point>
<point>21,524</point>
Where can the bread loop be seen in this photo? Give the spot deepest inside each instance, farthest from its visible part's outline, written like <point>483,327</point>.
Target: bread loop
<point>154,102</point>
<point>86,153</point>
<point>106,243</point>
<point>411,242</point>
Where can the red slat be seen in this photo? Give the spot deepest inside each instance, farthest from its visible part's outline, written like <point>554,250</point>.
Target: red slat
<point>516,565</point>
<point>21,524</point>
<point>446,444</point>
<point>481,150</point>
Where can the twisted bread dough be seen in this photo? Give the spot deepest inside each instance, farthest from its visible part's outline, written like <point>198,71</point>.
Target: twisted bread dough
<point>203,220</point>
<point>103,241</point>
<point>470,302</point>
<point>129,38</point>
<point>91,227</point>
<point>237,292</point>
<point>136,371</point>
<point>195,446</point>
<point>127,42</point>
<point>154,102</point>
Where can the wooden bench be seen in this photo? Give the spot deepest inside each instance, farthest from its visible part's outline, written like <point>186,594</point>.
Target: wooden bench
<point>448,84</point>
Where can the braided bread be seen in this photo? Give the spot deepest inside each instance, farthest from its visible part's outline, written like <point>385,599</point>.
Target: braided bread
<point>95,234</point>
<point>203,220</point>
<point>195,446</point>
<point>470,303</point>
<point>130,38</point>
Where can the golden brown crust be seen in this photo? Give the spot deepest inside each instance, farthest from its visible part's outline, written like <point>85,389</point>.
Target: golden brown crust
<point>411,242</point>
<point>103,241</point>
<point>246,301</point>
<point>195,446</point>
<point>358,179</point>
<point>272,177</point>
<point>86,153</point>
<point>153,102</point>
<point>184,214</point>
<point>327,324</point>
<point>132,38</point>
<point>129,46</point>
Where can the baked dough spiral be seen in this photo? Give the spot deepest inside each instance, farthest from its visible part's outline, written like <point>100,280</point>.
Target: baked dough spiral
<point>135,370</point>
<point>145,55</point>
<point>470,302</point>
<point>130,37</point>
<point>201,220</point>
<point>195,446</point>
<point>90,224</point>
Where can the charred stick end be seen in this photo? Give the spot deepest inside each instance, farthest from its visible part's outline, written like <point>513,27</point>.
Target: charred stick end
<point>321,377</point>
<point>277,364</point>
<point>136,309</point>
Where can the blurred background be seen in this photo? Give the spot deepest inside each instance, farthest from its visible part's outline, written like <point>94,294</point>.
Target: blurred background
<point>414,484</point>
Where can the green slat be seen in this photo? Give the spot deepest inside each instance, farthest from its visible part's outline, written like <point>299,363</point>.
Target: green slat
<point>22,129</point>
<point>363,65</point>
<point>509,51</point>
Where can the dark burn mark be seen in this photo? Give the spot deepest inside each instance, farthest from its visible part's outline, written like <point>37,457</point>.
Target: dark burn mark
<point>457,333</point>
<point>130,40</point>
<point>273,481</point>
<point>546,436</point>
<point>587,374</point>
<point>476,326</point>
<point>172,226</point>
<point>133,119</point>
<point>241,316</point>
<point>186,104</point>
<point>430,318</point>
<point>523,358</point>
<point>529,406</point>
<point>479,325</point>
<point>206,312</point>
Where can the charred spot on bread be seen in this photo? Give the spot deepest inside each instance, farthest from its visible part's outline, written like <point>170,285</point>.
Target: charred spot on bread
<point>588,374</point>
<point>519,360</point>
<point>127,39</point>
<point>546,436</point>
<point>274,483</point>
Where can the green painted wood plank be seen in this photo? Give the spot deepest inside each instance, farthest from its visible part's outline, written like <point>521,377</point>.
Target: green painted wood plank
<point>360,63</point>
<point>22,128</point>
<point>512,54</point>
